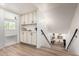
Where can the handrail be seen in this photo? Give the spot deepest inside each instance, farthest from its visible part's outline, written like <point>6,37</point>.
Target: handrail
<point>72,38</point>
<point>45,36</point>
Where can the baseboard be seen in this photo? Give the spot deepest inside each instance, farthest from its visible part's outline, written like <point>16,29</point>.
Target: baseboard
<point>28,44</point>
<point>8,45</point>
<point>11,43</point>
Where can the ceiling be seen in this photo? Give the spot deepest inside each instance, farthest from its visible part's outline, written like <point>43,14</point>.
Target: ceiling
<point>57,17</point>
<point>19,8</point>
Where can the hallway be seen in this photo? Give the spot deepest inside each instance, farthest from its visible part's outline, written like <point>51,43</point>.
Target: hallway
<point>40,25</point>
<point>25,50</point>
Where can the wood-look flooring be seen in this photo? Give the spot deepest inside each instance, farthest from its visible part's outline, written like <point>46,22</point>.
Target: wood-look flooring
<point>25,50</point>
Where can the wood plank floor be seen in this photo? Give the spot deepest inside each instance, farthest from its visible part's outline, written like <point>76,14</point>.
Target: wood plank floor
<point>25,50</point>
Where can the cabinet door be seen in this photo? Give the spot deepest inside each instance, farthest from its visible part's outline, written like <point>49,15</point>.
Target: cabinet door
<point>22,19</point>
<point>29,37</point>
<point>25,37</point>
<point>26,19</point>
<point>34,38</point>
<point>22,36</point>
<point>30,18</point>
<point>35,17</point>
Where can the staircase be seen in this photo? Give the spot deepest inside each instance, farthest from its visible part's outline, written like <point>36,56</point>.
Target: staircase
<point>56,49</point>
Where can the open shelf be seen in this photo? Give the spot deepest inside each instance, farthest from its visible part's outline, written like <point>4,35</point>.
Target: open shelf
<point>29,24</point>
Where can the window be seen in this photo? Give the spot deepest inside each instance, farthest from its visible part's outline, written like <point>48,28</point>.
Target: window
<point>12,26</point>
<point>9,25</point>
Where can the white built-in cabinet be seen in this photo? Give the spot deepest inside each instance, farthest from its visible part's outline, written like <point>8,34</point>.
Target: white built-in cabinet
<point>28,33</point>
<point>30,18</point>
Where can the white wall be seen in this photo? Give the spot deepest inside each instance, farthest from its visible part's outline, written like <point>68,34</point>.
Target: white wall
<point>54,18</point>
<point>75,24</point>
<point>1,29</point>
<point>41,40</point>
<point>57,17</point>
<point>11,36</point>
<point>11,39</point>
